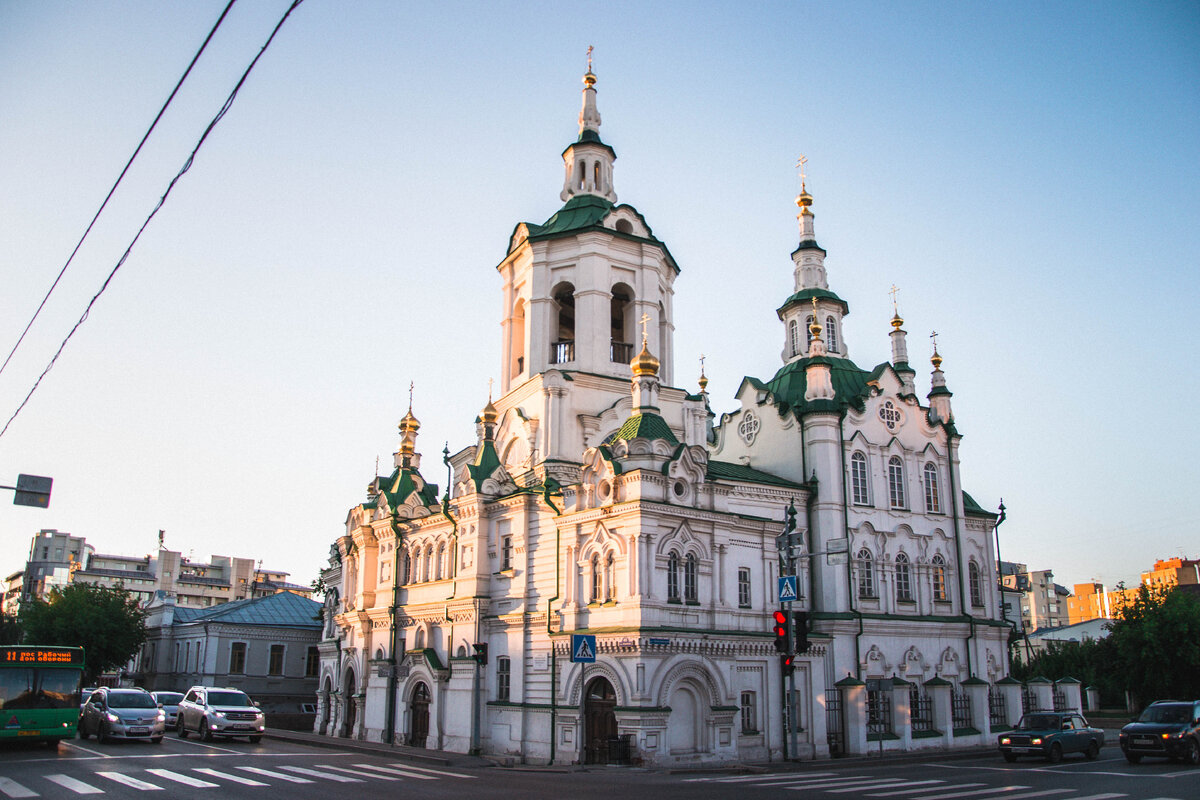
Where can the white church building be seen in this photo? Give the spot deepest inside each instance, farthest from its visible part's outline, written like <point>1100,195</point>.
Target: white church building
<point>602,499</point>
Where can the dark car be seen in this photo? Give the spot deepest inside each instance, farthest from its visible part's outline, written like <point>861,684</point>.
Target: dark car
<point>1168,728</point>
<point>1051,735</point>
<point>111,713</point>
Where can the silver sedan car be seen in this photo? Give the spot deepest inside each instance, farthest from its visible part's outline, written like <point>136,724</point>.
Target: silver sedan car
<point>122,714</point>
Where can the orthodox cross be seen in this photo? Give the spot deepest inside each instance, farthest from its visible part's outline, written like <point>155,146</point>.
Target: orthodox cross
<point>644,320</point>
<point>702,363</point>
<point>933,338</point>
<point>589,58</point>
<point>893,294</point>
<point>489,390</point>
<point>411,384</point>
<point>800,166</point>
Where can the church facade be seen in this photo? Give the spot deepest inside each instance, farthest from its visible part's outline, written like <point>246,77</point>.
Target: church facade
<point>601,499</point>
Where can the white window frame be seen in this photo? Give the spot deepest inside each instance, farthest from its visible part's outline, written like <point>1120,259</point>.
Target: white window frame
<point>896,493</point>
<point>860,492</point>
<point>933,492</point>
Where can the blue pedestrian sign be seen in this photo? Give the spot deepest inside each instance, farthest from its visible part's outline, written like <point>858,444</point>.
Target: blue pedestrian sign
<point>583,648</point>
<point>787,588</point>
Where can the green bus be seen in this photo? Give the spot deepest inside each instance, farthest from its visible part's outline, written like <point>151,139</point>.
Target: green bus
<point>39,693</point>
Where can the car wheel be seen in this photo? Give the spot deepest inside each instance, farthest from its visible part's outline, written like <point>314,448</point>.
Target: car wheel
<point>1193,753</point>
<point>1055,755</point>
<point>180,728</point>
<point>1010,757</point>
<point>255,739</point>
<point>1133,758</point>
<point>1092,751</point>
<point>205,730</point>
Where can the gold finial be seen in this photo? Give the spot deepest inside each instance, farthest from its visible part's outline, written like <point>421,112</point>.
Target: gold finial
<point>936,359</point>
<point>409,422</point>
<point>703,377</point>
<point>896,320</point>
<point>489,415</point>
<point>645,320</point>
<point>589,78</point>
<point>815,327</point>
<point>804,199</point>
<point>644,363</point>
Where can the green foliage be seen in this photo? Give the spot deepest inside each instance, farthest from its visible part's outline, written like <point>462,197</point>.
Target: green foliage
<point>106,622</point>
<point>1088,661</point>
<point>10,629</point>
<point>1155,641</point>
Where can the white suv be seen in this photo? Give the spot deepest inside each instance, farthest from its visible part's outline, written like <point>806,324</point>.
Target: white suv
<point>212,711</point>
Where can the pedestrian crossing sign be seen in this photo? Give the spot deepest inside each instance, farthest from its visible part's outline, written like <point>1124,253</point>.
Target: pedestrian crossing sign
<point>787,588</point>
<point>583,648</point>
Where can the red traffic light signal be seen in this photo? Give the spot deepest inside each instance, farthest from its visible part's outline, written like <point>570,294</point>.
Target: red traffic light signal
<point>788,663</point>
<point>780,629</point>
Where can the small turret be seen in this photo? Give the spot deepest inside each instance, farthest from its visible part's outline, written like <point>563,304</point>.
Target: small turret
<point>818,377</point>
<point>900,350</point>
<point>407,455</point>
<point>589,161</point>
<point>645,375</point>
<point>939,395</point>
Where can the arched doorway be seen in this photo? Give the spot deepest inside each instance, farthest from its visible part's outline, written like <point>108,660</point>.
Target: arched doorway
<point>324,713</point>
<point>599,721</point>
<point>349,707</point>
<point>683,728</point>
<point>418,726</point>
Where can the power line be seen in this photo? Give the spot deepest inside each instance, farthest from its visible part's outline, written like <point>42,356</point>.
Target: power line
<point>111,191</point>
<point>186,166</point>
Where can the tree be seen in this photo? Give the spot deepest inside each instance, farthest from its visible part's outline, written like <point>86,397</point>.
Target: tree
<point>10,629</point>
<point>1155,641</point>
<point>106,622</point>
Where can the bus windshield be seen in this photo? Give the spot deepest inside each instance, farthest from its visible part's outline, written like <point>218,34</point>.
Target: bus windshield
<point>26,687</point>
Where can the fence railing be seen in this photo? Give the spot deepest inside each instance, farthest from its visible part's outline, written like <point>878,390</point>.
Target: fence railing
<point>997,709</point>
<point>921,710</point>
<point>835,734</point>
<point>960,709</point>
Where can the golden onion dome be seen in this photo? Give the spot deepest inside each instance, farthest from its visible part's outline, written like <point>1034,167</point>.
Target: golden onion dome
<point>644,363</point>
<point>936,360</point>
<point>489,415</point>
<point>897,321</point>
<point>409,423</point>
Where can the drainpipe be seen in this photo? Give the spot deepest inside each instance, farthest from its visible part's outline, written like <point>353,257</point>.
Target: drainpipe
<point>846,530</point>
<point>390,728</point>
<point>962,589</point>
<point>554,656</point>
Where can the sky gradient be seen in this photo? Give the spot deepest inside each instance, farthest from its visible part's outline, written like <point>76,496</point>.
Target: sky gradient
<point>1025,173</point>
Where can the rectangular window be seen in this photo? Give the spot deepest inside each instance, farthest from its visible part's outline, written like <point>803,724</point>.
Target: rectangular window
<point>744,587</point>
<point>505,552</point>
<point>275,663</point>
<point>312,663</point>
<point>749,713</point>
<point>503,677</point>
<point>237,658</point>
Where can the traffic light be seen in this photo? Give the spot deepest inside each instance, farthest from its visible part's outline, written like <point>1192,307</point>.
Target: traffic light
<point>800,630</point>
<point>480,655</point>
<point>787,663</point>
<point>780,628</point>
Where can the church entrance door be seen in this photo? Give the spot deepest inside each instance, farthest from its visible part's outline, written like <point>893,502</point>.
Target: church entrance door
<point>599,721</point>
<point>418,730</point>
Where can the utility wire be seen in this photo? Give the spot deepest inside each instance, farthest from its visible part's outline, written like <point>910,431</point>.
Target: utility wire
<point>111,191</point>
<point>186,166</point>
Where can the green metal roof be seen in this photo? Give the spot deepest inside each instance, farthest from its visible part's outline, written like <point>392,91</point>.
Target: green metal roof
<point>718,470</point>
<point>806,296</point>
<point>581,211</point>
<point>487,461</point>
<point>404,483</point>
<point>280,610</point>
<point>644,426</point>
<point>849,384</point>
<point>973,509</point>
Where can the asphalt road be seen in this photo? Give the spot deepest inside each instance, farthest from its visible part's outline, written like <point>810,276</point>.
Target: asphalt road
<point>236,769</point>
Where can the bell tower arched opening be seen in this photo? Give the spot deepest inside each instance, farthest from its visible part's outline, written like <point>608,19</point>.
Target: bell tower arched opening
<point>518,356</point>
<point>562,346</point>
<point>622,326</point>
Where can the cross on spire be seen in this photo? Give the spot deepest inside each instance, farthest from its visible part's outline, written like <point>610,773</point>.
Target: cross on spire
<point>589,58</point>
<point>933,337</point>
<point>645,319</point>
<point>893,294</point>
<point>800,162</point>
<point>411,384</point>
<point>489,390</point>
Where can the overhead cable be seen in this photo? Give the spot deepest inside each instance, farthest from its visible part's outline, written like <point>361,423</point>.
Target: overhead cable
<point>186,166</point>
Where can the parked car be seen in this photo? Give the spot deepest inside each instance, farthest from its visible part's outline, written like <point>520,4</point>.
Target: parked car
<point>212,711</point>
<point>1051,735</point>
<point>1167,728</point>
<point>169,703</point>
<point>85,694</point>
<point>112,713</point>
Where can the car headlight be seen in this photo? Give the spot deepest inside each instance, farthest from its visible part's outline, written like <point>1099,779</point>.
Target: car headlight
<point>112,717</point>
<point>1036,740</point>
<point>1005,740</point>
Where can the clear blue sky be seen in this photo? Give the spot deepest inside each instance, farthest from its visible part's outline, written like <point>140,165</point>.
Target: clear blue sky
<point>1026,173</point>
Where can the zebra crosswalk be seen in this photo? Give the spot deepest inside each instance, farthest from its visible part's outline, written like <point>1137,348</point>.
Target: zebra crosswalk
<point>881,786</point>
<point>157,779</point>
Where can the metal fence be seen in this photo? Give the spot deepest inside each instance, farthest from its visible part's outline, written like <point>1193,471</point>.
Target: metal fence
<point>997,708</point>
<point>834,729</point>
<point>1060,701</point>
<point>921,710</point>
<point>879,712</point>
<point>1028,700</point>
<point>960,709</point>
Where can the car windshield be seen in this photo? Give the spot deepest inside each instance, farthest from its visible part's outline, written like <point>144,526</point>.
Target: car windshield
<point>1038,722</point>
<point>228,699</point>
<point>1170,715</point>
<point>168,698</point>
<point>130,700</point>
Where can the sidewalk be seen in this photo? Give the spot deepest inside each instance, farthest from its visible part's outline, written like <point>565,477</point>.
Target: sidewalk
<point>416,755</point>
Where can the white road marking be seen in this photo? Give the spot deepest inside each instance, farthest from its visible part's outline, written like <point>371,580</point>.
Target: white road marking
<point>889,780</point>
<point>1039,794</point>
<point>216,773</point>
<point>396,771</point>
<point>924,789</point>
<point>314,773</point>
<point>128,781</point>
<point>1100,796</point>
<point>856,783</point>
<point>79,787</point>
<point>429,770</point>
<point>13,789</point>
<point>989,790</point>
<point>799,780</point>
<point>372,775</point>
<point>745,778</point>
<point>179,777</point>
<point>283,776</point>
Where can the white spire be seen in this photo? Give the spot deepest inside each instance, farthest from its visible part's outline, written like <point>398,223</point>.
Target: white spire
<point>589,161</point>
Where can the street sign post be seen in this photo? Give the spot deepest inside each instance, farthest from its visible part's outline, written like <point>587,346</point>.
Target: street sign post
<point>31,490</point>
<point>787,588</point>
<point>583,648</point>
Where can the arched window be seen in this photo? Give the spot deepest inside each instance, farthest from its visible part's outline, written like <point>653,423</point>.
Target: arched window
<point>896,482</point>
<point>441,562</point>
<point>562,348</point>
<point>831,339</point>
<point>597,580</point>
<point>405,567</point>
<point>621,334</point>
<point>939,578</point>
<point>808,321</point>
<point>975,584</point>
<point>610,583</point>
<point>582,173</point>
<point>858,479</point>
<point>866,573</point>
<point>673,577</point>
<point>933,496</point>
<point>794,336</point>
<point>596,176</point>
<point>689,578</point>
<point>903,579</point>
<point>517,337</point>
<point>429,575</point>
